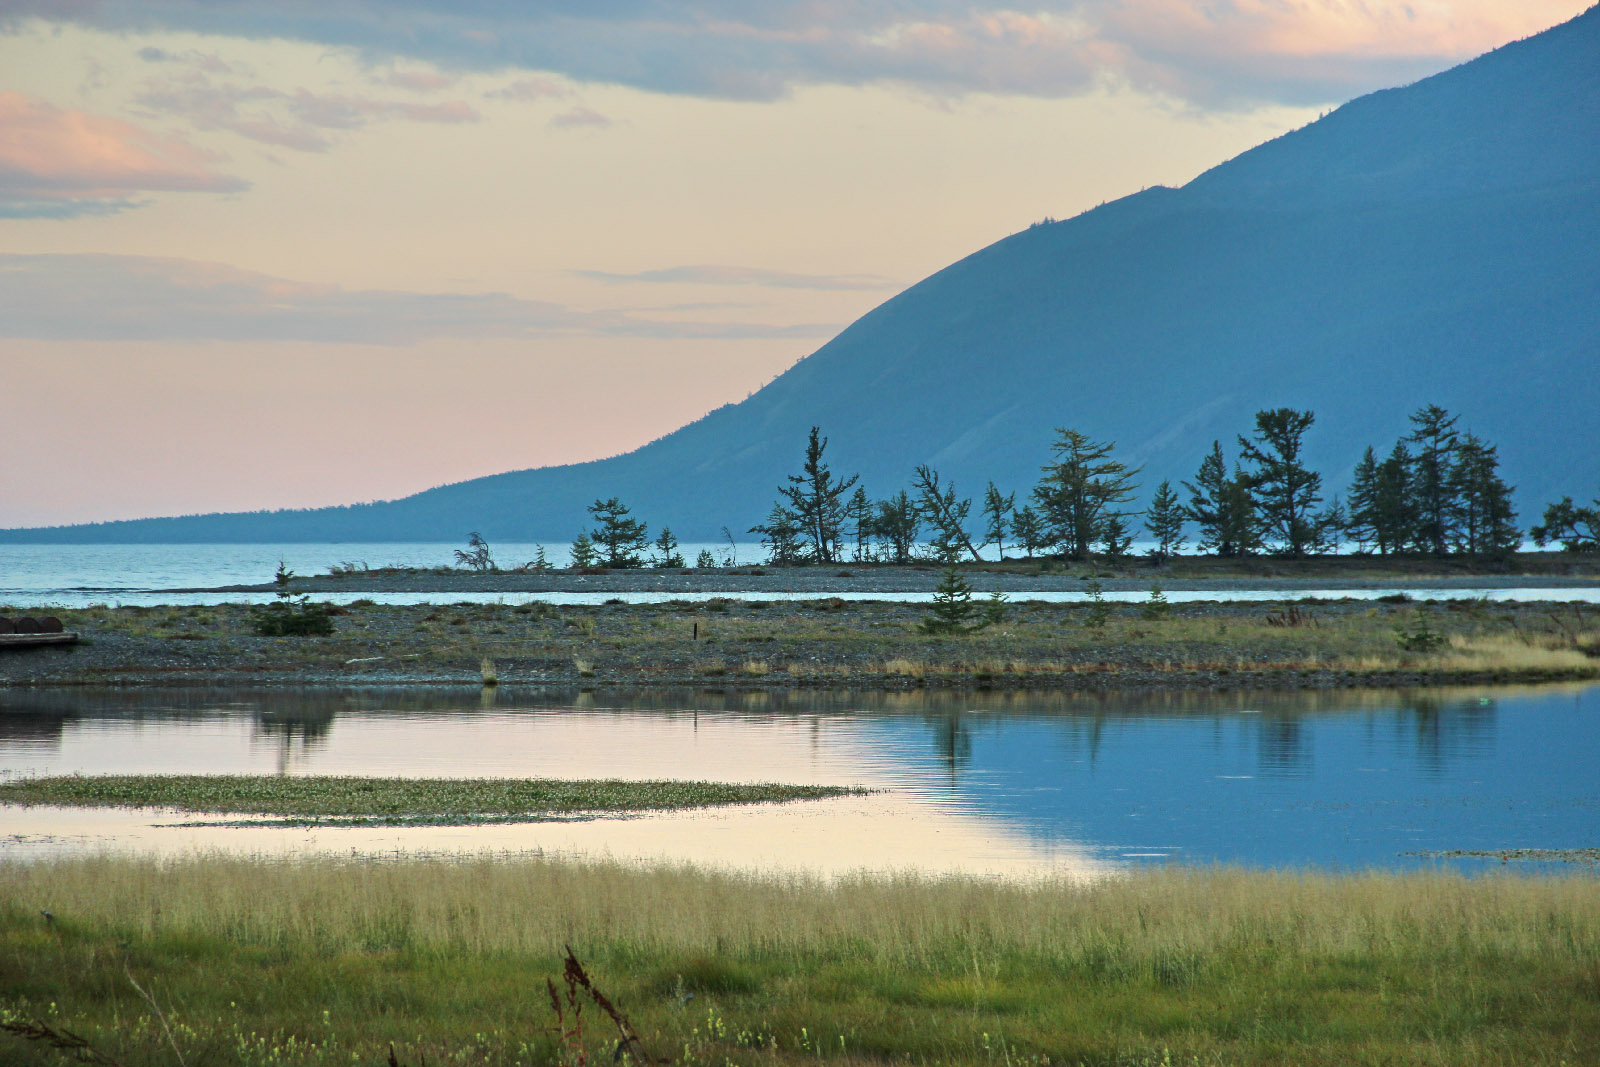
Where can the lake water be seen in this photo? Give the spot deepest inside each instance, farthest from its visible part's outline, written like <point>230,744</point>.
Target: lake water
<point>1014,784</point>
<point>75,576</point>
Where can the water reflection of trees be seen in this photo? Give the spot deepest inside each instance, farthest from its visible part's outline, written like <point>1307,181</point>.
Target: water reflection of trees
<point>1444,730</point>
<point>952,739</point>
<point>295,732</point>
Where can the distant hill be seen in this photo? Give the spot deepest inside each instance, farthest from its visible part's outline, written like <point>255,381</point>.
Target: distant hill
<point>1438,243</point>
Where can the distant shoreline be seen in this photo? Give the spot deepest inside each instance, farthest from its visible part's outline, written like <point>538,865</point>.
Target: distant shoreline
<point>1549,570</point>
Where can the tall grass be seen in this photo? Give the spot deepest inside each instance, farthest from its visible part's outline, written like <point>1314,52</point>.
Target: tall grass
<point>442,956</point>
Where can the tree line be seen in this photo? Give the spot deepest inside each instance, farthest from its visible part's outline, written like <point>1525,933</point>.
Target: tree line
<point>1437,491</point>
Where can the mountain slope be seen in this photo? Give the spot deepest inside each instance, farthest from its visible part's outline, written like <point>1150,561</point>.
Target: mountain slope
<point>1438,243</point>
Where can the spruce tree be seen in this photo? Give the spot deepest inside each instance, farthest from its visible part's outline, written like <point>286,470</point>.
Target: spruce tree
<point>1363,519</point>
<point>953,610</point>
<point>1164,520</point>
<point>1487,520</point>
<point>1080,489</point>
<point>781,535</point>
<point>1115,540</point>
<point>583,554</point>
<point>858,513</point>
<point>1220,505</point>
<point>1028,529</point>
<point>1394,509</point>
<point>1432,491</point>
<point>996,508</point>
<point>816,500</point>
<point>898,523</point>
<point>1284,490</point>
<point>619,540</point>
<point>667,554</point>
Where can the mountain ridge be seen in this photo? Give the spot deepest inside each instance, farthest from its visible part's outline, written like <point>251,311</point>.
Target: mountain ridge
<point>1436,243</point>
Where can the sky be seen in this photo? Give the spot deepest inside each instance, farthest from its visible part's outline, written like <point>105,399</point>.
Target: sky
<point>292,254</point>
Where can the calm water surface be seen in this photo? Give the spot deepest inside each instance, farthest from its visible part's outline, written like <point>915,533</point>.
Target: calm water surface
<point>1008,783</point>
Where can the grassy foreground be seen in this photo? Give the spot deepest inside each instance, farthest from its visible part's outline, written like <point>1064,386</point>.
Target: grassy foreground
<point>329,800</point>
<point>323,962</point>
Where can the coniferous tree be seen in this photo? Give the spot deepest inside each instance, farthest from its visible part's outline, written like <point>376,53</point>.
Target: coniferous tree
<point>858,514</point>
<point>898,524</point>
<point>1486,518</point>
<point>1331,525</point>
<point>996,508</point>
<point>583,553</point>
<point>1362,525</point>
<point>1284,490</point>
<point>667,554</point>
<point>946,514</point>
<point>781,535</point>
<point>1164,520</point>
<point>619,540</point>
<point>1080,489</point>
<point>1576,527</point>
<point>816,499</point>
<point>1115,540</point>
<point>1394,510</point>
<point>1028,529</point>
<point>953,611</point>
<point>1432,491</point>
<point>1220,505</point>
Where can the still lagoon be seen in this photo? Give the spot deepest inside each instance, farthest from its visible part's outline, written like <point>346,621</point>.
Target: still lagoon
<point>1008,783</point>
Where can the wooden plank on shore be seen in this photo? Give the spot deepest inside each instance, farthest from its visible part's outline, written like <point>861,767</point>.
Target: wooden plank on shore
<point>30,640</point>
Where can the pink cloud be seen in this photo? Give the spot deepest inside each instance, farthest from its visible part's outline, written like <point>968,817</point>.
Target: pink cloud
<point>51,154</point>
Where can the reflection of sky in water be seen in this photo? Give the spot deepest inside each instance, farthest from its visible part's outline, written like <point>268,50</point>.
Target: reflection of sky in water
<point>1004,782</point>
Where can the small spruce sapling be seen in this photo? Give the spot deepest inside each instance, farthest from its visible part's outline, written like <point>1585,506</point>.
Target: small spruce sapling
<point>1420,637</point>
<point>994,610</point>
<point>583,553</point>
<point>667,555</point>
<point>953,609</point>
<point>1099,612</point>
<point>290,615</point>
<point>1157,607</point>
<point>705,561</point>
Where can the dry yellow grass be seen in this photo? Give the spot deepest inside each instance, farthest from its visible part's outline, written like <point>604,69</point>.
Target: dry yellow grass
<point>536,904</point>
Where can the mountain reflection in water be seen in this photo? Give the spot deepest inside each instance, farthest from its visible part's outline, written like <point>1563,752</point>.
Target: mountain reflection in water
<point>1013,782</point>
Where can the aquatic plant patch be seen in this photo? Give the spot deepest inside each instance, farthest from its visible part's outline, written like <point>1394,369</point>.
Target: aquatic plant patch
<point>330,800</point>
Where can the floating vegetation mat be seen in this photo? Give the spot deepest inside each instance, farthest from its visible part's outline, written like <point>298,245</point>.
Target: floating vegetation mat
<point>347,801</point>
<point>1506,855</point>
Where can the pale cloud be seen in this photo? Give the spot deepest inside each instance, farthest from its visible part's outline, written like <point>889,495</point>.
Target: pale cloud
<point>532,89</point>
<point>420,81</point>
<point>58,163</point>
<point>580,116</point>
<point>144,298</point>
<point>298,118</point>
<point>715,275</point>
<point>1205,51</point>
